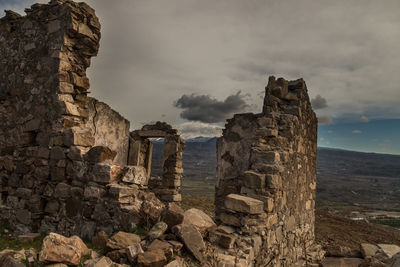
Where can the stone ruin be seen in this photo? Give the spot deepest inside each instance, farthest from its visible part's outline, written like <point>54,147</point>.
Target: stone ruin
<point>69,163</point>
<point>266,176</point>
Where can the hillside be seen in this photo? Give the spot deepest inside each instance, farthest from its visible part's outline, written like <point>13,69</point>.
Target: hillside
<point>344,177</point>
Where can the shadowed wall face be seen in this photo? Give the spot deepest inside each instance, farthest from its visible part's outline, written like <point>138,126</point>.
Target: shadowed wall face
<point>63,155</point>
<point>266,174</point>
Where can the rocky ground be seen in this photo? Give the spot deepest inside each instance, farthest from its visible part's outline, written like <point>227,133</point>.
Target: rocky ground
<point>178,240</point>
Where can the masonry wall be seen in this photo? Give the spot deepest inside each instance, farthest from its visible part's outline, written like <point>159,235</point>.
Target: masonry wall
<point>266,176</point>
<point>63,155</point>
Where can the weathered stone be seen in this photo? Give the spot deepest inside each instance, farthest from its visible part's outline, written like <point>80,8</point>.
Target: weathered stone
<point>178,262</point>
<point>341,262</point>
<point>133,251</point>
<point>60,249</point>
<point>389,249</point>
<point>62,191</point>
<point>198,219</point>
<point>122,240</point>
<point>163,245</point>
<point>100,154</point>
<point>368,250</point>
<point>177,246</point>
<point>157,230</point>
<point>230,219</point>
<point>192,239</point>
<point>8,261</point>
<point>173,215</point>
<point>253,179</point>
<point>153,258</point>
<point>135,175</point>
<point>244,204</point>
<point>105,174</point>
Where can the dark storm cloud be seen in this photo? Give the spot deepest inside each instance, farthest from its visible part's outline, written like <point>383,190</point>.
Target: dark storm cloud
<point>319,102</point>
<point>215,48</point>
<point>204,108</point>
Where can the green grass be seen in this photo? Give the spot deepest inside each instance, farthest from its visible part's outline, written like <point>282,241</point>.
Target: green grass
<point>8,241</point>
<point>140,229</point>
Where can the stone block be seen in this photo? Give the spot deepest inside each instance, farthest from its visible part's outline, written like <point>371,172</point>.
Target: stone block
<point>133,251</point>
<point>105,174</point>
<point>122,240</point>
<point>100,154</point>
<point>253,179</point>
<point>153,258</point>
<point>157,230</point>
<point>94,192</point>
<point>192,239</point>
<point>135,175</point>
<point>230,219</point>
<point>163,245</point>
<point>78,138</point>
<point>173,215</point>
<point>122,193</point>
<point>244,204</point>
<point>199,219</point>
<point>62,191</point>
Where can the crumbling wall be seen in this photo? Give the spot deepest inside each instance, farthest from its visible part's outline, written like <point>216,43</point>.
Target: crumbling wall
<point>63,155</point>
<point>266,178</point>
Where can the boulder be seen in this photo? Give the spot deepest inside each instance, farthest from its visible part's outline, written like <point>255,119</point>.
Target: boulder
<point>9,261</point>
<point>173,215</point>
<point>341,262</point>
<point>16,255</point>
<point>163,245</point>
<point>244,204</point>
<point>178,262</point>
<point>122,240</point>
<point>368,250</point>
<point>153,258</point>
<point>152,207</point>
<point>104,262</point>
<point>389,250</point>
<point>199,219</point>
<point>133,251</point>
<point>192,239</point>
<point>157,230</point>
<point>59,249</point>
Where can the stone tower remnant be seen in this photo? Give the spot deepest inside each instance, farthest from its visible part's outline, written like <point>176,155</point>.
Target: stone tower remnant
<point>266,176</point>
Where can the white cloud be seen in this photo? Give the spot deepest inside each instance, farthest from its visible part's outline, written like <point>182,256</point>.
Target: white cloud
<point>356,132</point>
<point>194,129</point>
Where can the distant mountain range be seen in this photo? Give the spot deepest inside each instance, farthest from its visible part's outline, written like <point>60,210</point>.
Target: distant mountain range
<point>343,177</point>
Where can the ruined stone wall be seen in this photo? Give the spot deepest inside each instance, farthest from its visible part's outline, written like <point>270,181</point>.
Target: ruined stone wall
<point>63,155</point>
<point>266,177</point>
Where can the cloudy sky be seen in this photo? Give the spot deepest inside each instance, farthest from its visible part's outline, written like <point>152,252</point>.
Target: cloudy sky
<point>194,63</point>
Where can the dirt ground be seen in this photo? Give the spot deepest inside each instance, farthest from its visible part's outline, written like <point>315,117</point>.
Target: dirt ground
<point>333,230</point>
